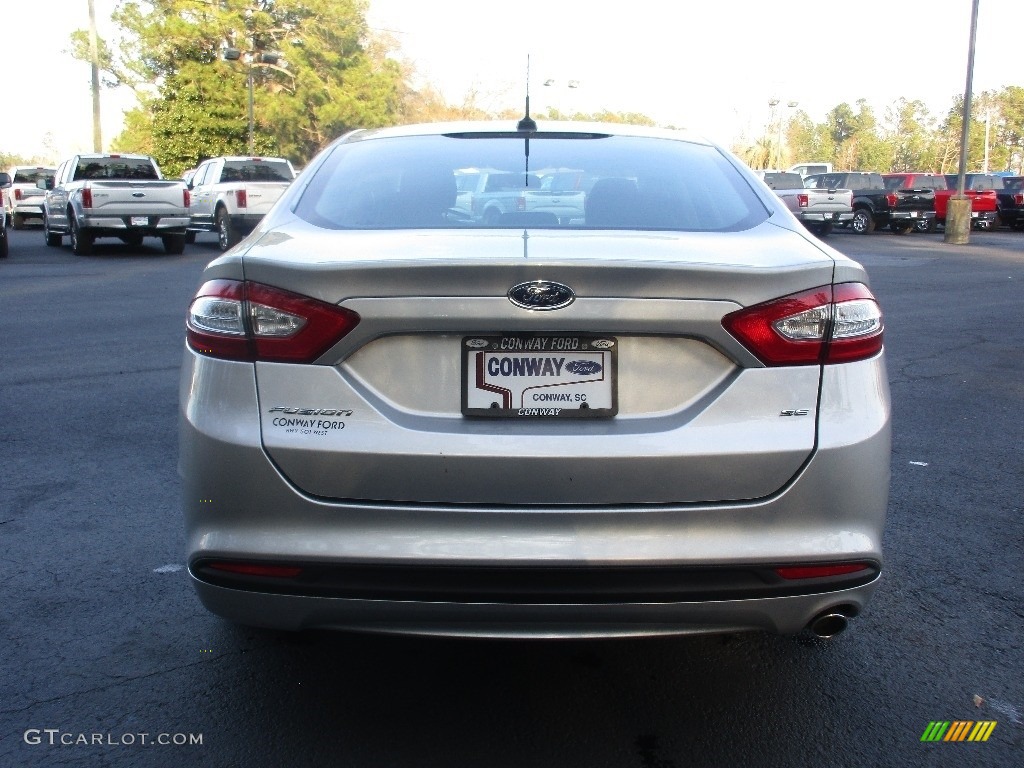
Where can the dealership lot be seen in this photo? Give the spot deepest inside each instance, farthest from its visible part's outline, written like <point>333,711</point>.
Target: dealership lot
<point>105,636</point>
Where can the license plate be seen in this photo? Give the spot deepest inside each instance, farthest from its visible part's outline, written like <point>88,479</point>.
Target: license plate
<point>913,214</point>
<point>553,376</point>
<point>140,221</point>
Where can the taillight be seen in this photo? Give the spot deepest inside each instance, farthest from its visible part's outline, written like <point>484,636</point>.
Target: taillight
<point>240,199</point>
<point>187,196</point>
<point>893,199</point>
<point>17,194</point>
<point>802,200</point>
<point>249,321</point>
<point>87,198</point>
<point>831,324</point>
<point>1018,199</point>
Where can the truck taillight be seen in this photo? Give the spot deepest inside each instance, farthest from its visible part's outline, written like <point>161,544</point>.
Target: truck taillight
<point>17,194</point>
<point>243,320</point>
<point>240,199</point>
<point>802,200</point>
<point>1018,199</point>
<point>87,198</point>
<point>892,199</point>
<point>186,197</point>
<point>831,324</point>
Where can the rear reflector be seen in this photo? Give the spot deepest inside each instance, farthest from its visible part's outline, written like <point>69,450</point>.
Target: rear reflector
<point>249,321</point>
<point>831,324</point>
<point>820,571</point>
<point>258,569</point>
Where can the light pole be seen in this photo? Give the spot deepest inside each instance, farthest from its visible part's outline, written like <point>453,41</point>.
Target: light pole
<point>252,58</point>
<point>773,103</point>
<point>573,84</point>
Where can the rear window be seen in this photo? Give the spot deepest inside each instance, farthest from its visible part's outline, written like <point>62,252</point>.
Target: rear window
<point>115,168</point>
<point>32,175</point>
<point>256,170</point>
<point>576,181</point>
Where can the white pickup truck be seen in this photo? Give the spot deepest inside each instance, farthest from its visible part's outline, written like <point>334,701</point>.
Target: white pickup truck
<point>818,209</point>
<point>502,198</point>
<point>230,195</point>
<point>111,195</point>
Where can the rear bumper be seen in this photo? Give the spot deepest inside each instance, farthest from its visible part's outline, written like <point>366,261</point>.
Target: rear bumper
<point>238,507</point>
<point>825,218</point>
<point>119,226</point>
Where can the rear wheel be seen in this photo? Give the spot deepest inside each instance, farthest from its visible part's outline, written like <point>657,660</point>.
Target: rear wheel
<point>174,244</point>
<point>824,229</point>
<point>53,239</point>
<point>190,236</point>
<point>862,222</point>
<point>17,221</point>
<point>226,234</point>
<point>81,242</point>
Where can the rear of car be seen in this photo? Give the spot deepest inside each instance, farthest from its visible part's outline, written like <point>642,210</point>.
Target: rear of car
<point>670,416</point>
<point>25,197</point>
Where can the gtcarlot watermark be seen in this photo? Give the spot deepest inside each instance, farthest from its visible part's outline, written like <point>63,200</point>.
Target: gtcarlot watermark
<point>55,737</point>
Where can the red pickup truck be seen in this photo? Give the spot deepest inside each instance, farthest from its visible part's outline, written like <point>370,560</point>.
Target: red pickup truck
<point>980,187</point>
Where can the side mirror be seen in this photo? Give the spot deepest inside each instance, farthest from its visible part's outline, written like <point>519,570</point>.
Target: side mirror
<point>5,179</point>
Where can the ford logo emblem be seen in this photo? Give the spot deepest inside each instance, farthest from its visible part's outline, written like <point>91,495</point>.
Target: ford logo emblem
<point>583,367</point>
<point>541,294</point>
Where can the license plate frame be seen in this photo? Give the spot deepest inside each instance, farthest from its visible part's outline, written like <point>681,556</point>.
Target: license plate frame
<point>558,376</point>
<point>138,221</point>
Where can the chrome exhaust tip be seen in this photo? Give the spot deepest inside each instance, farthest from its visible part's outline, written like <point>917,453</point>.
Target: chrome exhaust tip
<point>828,624</point>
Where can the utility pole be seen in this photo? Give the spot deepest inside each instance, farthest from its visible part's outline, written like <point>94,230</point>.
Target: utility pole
<point>94,58</point>
<point>958,209</point>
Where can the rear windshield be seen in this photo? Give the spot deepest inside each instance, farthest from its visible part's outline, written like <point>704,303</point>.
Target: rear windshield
<point>32,175</point>
<point>915,182</point>
<point>1014,182</point>
<point>256,170</point>
<point>578,181</point>
<point>115,168</point>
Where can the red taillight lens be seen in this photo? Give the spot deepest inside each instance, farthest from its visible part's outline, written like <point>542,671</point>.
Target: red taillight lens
<point>1018,199</point>
<point>802,200</point>
<point>187,196</point>
<point>240,198</point>
<point>17,194</point>
<point>820,571</point>
<point>87,198</point>
<point>254,322</point>
<point>831,324</point>
<point>893,199</point>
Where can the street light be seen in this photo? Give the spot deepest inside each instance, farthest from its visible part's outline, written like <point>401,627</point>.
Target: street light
<point>252,58</point>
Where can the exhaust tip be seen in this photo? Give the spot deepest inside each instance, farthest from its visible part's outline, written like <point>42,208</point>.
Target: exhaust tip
<point>828,624</point>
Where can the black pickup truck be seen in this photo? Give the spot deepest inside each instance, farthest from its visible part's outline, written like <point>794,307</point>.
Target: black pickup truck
<point>1011,202</point>
<point>874,205</point>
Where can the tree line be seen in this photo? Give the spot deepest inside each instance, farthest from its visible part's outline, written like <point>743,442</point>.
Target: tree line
<point>330,73</point>
<point>907,138</point>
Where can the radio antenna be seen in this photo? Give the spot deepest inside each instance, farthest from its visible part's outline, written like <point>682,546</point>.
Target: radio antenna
<point>527,124</point>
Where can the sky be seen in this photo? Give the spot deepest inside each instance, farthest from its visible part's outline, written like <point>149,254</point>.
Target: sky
<point>710,66</point>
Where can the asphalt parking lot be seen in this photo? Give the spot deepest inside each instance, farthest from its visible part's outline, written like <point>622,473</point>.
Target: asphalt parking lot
<point>110,660</point>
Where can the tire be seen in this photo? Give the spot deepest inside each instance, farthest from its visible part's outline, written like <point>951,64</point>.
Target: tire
<point>53,239</point>
<point>902,228</point>
<point>924,225</point>
<point>174,244</point>
<point>1018,226</point>
<point>3,247</point>
<point>226,235</point>
<point>17,221</point>
<point>190,236</point>
<point>81,242</point>
<point>863,223</point>
<point>491,217</point>
<point>824,229</point>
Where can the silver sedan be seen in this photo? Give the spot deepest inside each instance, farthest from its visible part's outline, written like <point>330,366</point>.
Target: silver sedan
<point>626,393</point>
